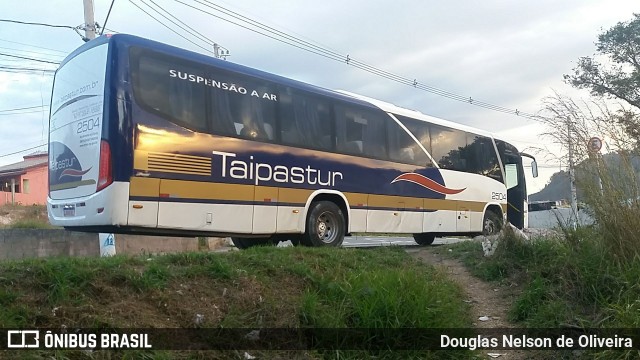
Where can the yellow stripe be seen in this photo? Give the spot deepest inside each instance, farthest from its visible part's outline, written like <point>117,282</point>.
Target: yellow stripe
<point>209,191</point>
<point>357,199</point>
<point>139,186</point>
<point>266,194</point>
<point>298,196</point>
<point>216,191</point>
<point>440,204</point>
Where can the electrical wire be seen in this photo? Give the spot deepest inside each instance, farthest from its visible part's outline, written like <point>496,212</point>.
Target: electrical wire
<point>36,23</point>
<point>23,112</point>
<point>107,18</point>
<point>35,46</point>
<point>192,31</point>
<point>165,25</point>
<point>24,70</point>
<point>24,108</point>
<point>281,36</point>
<point>30,53</point>
<point>23,150</point>
<point>30,58</point>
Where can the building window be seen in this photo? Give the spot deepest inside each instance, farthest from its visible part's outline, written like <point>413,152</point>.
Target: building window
<point>25,186</point>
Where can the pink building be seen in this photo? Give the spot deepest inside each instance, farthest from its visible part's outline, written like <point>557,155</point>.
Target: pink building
<point>25,182</point>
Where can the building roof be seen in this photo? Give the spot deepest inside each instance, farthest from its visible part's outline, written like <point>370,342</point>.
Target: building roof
<point>32,160</point>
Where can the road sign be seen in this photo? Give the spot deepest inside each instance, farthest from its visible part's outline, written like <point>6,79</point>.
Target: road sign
<point>594,144</point>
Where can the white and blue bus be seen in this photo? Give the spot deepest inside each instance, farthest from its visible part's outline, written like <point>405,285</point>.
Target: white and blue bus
<point>147,138</point>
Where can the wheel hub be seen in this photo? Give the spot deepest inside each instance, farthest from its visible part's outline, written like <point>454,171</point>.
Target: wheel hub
<point>322,228</point>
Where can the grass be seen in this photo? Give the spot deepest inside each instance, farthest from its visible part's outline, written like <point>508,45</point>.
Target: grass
<point>263,287</point>
<point>563,283</point>
<point>25,217</point>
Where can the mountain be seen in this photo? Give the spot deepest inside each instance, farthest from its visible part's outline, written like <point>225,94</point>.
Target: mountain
<point>558,187</point>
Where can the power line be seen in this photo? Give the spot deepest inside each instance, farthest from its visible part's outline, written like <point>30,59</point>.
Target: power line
<point>25,70</point>
<point>35,46</point>
<point>270,32</point>
<point>107,18</point>
<point>30,58</point>
<point>23,108</point>
<point>165,25</point>
<point>23,112</point>
<point>36,23</point>
<point>193,31</point>
<point>29,53</point>
<point>23,150</point>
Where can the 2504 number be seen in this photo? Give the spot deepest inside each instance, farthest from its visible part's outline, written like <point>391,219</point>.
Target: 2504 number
<point>88,125</point>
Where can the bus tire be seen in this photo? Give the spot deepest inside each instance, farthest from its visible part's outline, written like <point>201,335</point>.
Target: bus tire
<point>491,223</point>
<point>325,225</point>
<point>245,243</point>
<point>424,239</point>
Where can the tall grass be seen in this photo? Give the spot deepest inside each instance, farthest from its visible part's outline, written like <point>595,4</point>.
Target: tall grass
<point>329,290</point>
<point>608,180</point>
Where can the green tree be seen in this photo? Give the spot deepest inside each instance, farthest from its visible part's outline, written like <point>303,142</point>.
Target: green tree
<point>619,78</point>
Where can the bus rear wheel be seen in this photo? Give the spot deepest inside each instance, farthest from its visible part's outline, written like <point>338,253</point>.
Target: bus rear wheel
<point>245,243</point>
<point>325,225</point>
<point>491,224</point>
<point>424,239</point>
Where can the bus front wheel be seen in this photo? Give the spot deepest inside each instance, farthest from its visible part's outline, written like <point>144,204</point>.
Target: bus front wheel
<point>491,224</point>
<point>245,243</point>
<point>424,239</point>
<point>325,225</point>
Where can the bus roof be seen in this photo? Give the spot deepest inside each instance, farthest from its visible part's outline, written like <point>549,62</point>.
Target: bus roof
<point>226,65</point>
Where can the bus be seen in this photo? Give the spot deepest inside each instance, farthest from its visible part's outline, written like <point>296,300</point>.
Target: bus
<point>146,138</point>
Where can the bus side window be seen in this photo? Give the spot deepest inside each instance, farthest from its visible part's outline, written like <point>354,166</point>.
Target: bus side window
<point>305,121</point>
<point>482,157</point>
<point>238,114</point>
<point>361,132</point>
<point>181,101</point>
<point>448,147</point>
<point>402,147</point>
<point>420,130</point>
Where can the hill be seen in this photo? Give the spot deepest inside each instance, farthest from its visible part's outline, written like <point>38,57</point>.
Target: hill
<point>558,187</point>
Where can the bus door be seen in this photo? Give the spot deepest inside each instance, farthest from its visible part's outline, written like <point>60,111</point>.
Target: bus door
<point>516,190</point>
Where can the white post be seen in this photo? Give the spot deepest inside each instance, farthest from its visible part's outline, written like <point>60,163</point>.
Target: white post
<point>13,191</point>
<point>107,244</point>
<point>89,20</point>
<point>572,180</point>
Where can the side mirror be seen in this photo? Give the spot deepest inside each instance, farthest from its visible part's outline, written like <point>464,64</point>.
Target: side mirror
<point>534,164</point>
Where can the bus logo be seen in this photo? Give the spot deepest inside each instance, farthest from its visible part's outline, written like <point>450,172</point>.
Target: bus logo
<point>65,170</point>
<point>73,172</point>
<point>427,183</point>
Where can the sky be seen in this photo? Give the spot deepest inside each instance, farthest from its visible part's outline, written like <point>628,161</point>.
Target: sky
<point>506,53</point>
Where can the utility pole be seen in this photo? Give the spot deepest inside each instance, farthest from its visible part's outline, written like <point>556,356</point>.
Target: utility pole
<point>572,180</point>
<point>106,242</point>
<point>89,20</point>
<point>220,52</point>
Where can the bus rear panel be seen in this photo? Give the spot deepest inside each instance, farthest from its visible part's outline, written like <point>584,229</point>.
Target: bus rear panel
<point>81,187</point>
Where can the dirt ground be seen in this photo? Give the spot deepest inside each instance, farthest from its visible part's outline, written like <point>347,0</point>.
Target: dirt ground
<point>487,300</point>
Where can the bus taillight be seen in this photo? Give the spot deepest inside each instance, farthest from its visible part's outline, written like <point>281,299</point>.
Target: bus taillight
<point>105,176</point>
